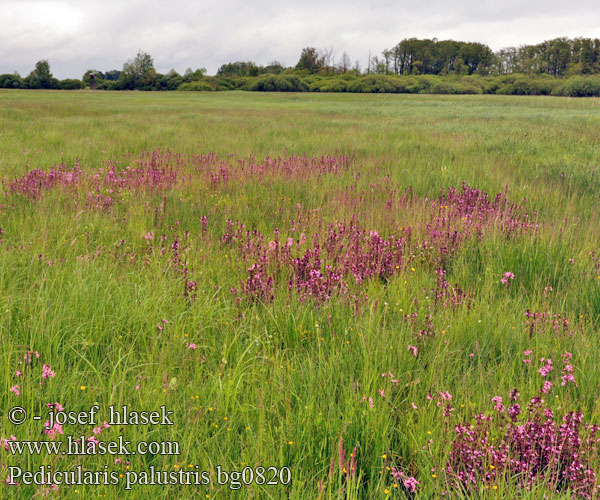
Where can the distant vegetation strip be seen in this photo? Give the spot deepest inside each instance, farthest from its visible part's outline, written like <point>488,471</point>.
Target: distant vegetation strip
<point>559,67</point>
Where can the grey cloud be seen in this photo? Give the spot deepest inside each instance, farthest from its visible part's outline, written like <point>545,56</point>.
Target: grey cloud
<point>75,35</point>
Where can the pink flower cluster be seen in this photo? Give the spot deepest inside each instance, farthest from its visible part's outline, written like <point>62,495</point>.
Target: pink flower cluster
<point>531,450</point>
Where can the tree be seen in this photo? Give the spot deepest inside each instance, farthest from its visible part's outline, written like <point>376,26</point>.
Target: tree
<point>171,81</point>
<point>113,75</point>
<point>138,73</point>
<point>239,68</point>
<point>274,67</point>
<point>327,56</point>
<point>310,60</point>
<point>194,76</point>
<point>41,77</point>
<point>345,63</point>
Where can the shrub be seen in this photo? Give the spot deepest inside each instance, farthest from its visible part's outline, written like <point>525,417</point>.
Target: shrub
<point>330,85</point>
<point>375,84</point>
<point>9,81</point>
<point>279,83</point>
<point>579,86</point>
<point>198,85</point>
<point>70,84</point>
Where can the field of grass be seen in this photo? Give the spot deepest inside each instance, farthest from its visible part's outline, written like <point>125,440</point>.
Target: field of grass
<point>341,285</point>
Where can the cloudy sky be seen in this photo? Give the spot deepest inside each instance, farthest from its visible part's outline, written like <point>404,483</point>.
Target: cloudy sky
<point>76,35</point>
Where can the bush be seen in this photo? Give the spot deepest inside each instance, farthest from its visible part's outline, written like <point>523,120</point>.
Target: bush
<point>198,85</point>
<point>515,85</point>
<point>279,83</point>
<point>70,84</point>
<point>9,81</point>
<point>331,85</point>
<point>579,86</point>
<point>376,84</point>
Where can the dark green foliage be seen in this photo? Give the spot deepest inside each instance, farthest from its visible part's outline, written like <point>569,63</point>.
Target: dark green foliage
<point>138,73</point>
<point>415,57</point>
<point>249,68</point>
<point>239,69</point>
<point>71,84</point>
<point>310,60</point>
<point>10,81</point>
<point>280,83</point>
<point>40,77</point>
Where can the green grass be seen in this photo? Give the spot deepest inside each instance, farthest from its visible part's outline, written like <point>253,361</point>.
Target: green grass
<point>278,383</point>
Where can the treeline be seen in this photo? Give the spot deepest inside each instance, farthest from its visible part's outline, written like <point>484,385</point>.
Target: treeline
<point>569,67</point>
<point>39,78</point>
<point>557,57</point>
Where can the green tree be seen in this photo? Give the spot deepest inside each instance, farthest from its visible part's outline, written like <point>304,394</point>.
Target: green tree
<point>41,77</point>
<point>310,60</point>
<point>138,73</point>
<point>194,76</point>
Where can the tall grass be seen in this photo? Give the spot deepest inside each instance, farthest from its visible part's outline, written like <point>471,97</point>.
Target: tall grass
<point>147,299</point>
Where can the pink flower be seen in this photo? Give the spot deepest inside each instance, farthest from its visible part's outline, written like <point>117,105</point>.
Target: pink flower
<point>568,377</point>
<point>56,429</point>
<point>411,484</point>
<point>508,276</point>
<point>56,406</point>
<point>413,349</point>
<point>415,407</point>
<point>567,373</point>
<point>381,392</point>
<point>47,372</point>
<point>547,368</point>
<point>191,346</point>
<point>547,387</point>
<point>499,407</point>
<point>446,396</point>
<point>15,389</point>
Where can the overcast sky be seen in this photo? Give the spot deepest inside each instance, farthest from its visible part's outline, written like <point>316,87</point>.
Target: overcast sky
<point>76,35</point>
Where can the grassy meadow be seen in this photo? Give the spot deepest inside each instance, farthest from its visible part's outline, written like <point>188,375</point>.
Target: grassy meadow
<point>351,286</point>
